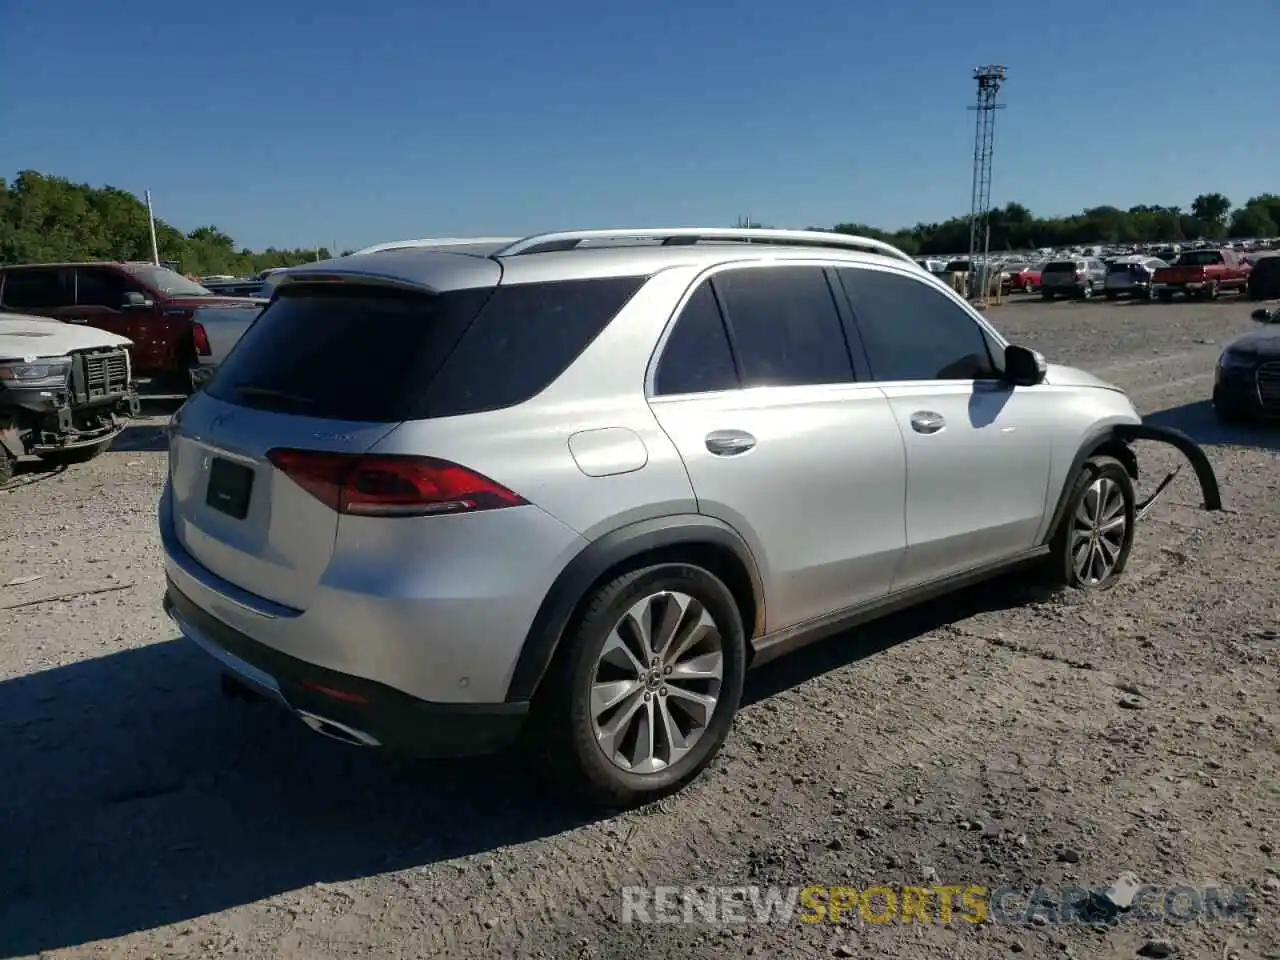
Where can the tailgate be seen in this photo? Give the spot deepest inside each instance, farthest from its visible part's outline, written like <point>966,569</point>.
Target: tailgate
<point>239,516</point>
<point>1179,275</point>
<point>225,324</point>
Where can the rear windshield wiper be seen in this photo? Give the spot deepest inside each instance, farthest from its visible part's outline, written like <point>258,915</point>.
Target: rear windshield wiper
<point>266,393</point>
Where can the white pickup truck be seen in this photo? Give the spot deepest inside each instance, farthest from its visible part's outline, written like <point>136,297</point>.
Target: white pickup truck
<point>218,330</point>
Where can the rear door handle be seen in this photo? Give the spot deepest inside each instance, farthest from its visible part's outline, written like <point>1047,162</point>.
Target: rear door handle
<point>926,421</point>
<point>729,443</point>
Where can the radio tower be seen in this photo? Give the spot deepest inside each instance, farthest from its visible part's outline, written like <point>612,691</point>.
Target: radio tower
<point>990,79</point>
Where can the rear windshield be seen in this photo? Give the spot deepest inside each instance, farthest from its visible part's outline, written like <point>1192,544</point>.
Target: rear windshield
<point>1199,258</point>
<point>166,281</point>
<point>1123,267</point>
<point>1266,266</point>
<point>1061,266</point>
<point>367,353</point>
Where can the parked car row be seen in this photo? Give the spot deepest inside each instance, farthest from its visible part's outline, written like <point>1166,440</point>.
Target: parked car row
<point>172,323</point>
<point>1199,273</point>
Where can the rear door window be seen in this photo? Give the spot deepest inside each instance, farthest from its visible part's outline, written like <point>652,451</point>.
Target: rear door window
<point>40,288</point>
<point>1061,266</point>
<point>784,325</point>
<point>696,357</point>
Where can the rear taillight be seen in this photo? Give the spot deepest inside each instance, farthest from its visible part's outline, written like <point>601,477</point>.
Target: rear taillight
<point>201,340</point>
<point>371,485</point>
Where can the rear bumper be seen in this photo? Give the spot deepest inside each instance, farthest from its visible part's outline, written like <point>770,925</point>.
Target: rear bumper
<point>352,709</point>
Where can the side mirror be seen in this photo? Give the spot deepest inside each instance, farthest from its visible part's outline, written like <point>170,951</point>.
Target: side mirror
<point>134,301</point>
<point>1023,367</point>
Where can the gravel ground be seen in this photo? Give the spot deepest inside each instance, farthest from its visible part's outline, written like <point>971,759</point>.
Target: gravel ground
<point>1001,737</point>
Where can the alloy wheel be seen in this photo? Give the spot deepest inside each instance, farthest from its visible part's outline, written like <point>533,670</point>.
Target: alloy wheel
<point>656,682</point>
<point>1098,531</point>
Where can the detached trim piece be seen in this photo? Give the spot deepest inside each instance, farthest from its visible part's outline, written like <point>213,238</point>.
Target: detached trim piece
<point>1209,489</point>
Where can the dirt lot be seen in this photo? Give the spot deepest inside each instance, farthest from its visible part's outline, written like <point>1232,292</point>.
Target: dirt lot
<point>999,738</point>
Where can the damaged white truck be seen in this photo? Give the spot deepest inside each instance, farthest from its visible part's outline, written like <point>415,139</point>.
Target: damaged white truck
<point>64,390</point>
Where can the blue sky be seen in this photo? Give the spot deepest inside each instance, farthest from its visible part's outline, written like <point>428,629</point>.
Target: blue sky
<point>328,122</point>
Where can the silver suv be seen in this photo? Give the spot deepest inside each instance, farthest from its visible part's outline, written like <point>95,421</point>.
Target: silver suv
<point>573,487</point>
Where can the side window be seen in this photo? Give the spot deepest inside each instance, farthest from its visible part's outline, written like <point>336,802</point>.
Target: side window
<point>696,357</point>
<point>526,335</point>
<point>914,332</point>
<point>45,288</point>
<point>100,288</point>
<point>785,326</point>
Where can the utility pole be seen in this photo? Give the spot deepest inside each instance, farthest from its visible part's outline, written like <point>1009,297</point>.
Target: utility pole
<point>151,223</point>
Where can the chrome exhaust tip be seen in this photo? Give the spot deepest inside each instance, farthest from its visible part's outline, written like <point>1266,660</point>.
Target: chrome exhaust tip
<point>338,731</point>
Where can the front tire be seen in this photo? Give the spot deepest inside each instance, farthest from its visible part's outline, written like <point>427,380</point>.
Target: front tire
<point>1091,546</point>
<point>646,687</point>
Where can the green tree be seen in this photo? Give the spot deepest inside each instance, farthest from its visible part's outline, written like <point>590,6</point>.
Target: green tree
<point>45,219</point>
<point>1211,210</point>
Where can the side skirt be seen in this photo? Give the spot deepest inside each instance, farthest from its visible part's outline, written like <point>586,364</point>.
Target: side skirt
<point>784,641</point>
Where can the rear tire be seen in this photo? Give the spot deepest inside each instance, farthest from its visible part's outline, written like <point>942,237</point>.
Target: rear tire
<point>1111,295</point>
<point>1091,546</point>
<point>598,685</point>
<point>1165,296</point>
<point>1046,295</point>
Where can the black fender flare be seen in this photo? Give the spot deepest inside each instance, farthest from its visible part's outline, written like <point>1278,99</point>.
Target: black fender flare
<point>614,550</point>
<point>1209,489</point>
<point>1115,438</point>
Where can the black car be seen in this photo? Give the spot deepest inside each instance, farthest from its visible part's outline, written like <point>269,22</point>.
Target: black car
<point>1264,278</point>
<point>1246,383</point>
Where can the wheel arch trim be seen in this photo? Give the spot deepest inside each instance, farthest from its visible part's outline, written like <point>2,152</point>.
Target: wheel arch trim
<point>1114,439</point>
<point>612,551</point>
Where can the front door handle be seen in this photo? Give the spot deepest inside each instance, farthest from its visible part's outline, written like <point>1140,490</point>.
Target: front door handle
<point>729,443</point>
<point>926,421</point>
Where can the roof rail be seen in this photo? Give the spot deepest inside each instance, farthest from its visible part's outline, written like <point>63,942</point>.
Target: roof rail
<point>682,236</point>
<point>442,243</point>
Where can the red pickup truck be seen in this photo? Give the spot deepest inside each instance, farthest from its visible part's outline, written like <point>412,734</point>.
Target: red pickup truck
<point>1202,273</point>
<point>156,308</point>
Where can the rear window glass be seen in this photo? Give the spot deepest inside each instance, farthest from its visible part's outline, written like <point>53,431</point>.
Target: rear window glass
<point>1200,258</point>
<point>345,353</point>
<point>524,338</point>
<point>1265,266</point>
<point>1061,266</point>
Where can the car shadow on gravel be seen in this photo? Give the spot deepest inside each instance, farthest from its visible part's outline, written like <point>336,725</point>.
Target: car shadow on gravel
<point>142,438</point>
<point>134,796</point>
<point>1199,422</point>
<point>1001,593</point>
